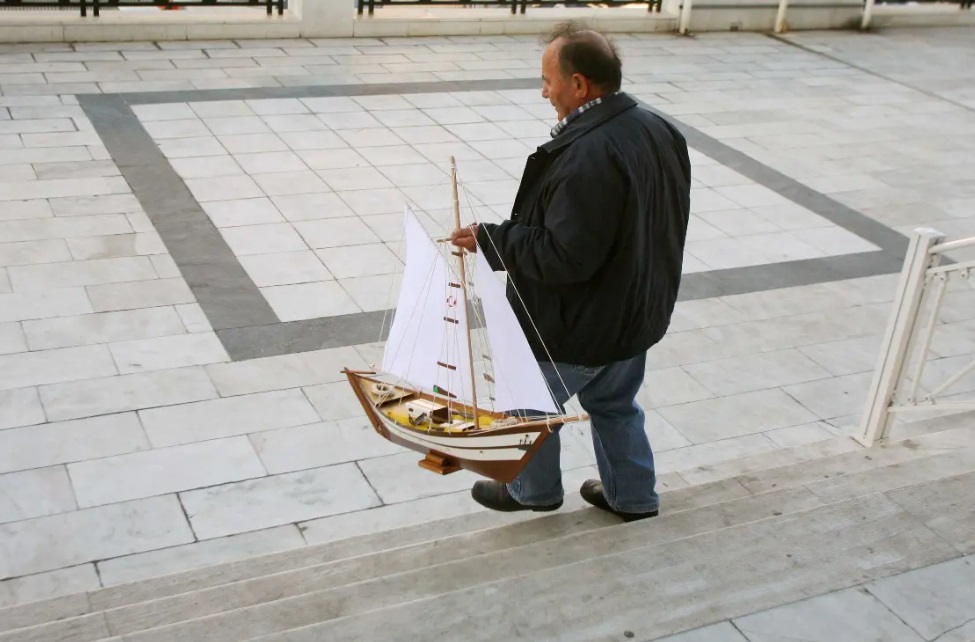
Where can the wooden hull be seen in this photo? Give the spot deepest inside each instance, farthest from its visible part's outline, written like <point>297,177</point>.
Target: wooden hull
<point>495,453</point>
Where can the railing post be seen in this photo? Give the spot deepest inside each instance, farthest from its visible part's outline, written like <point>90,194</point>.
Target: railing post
<point>876,419</point>
<point>780,16</point>
<point>867,14</point>
<point>685,18</point>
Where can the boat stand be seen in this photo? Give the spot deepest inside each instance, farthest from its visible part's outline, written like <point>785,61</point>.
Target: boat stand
<point>440,464</point>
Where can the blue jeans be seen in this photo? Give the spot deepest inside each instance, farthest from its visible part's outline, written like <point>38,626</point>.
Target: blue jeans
<point>623,453</point>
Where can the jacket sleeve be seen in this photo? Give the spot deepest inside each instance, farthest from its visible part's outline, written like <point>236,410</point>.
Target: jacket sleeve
<point>582,219</point>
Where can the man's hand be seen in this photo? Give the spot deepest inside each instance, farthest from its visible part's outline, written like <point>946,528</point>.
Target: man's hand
<point>465,237</point>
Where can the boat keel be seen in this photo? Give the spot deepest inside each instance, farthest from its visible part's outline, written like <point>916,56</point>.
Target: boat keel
<point>440,464</point>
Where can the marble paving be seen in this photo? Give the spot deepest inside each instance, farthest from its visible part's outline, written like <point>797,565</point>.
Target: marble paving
<point>196,237</point>
<point>933,603</point>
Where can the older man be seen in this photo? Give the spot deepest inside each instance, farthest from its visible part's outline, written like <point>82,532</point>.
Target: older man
<point>593,252</point>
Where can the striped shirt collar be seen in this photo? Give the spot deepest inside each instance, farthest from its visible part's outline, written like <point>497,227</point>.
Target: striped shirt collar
<point>578,112</point>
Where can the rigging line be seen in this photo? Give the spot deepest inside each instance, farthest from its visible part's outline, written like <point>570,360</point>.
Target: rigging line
<point>534,327</point>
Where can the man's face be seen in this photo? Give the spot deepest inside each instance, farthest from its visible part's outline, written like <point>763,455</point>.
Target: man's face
<point>563,92</point>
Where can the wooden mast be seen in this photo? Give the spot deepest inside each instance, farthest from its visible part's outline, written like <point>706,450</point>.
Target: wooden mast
<point>463,287</point>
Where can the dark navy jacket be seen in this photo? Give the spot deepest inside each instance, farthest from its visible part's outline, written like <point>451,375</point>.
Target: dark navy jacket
<point>596,237</point>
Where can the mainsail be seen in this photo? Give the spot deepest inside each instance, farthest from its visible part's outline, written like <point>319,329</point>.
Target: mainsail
<point>519,383</point>
<point>428,340</point>
<point>428,343</point>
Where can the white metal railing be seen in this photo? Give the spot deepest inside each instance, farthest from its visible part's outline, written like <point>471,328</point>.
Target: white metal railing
<point>896,385</point>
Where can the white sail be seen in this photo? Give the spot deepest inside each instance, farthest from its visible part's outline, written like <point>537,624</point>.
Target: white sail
<point>423,348</point>
<point>519,382</point>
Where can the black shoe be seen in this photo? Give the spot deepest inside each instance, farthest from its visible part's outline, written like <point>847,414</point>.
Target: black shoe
<point>592,492</point>
<point>494,495</point>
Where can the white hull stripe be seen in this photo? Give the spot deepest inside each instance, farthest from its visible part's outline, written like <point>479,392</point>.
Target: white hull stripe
<point>491,454</point>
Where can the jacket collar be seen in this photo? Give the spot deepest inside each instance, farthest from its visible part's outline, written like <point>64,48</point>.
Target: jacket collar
<point>590,119</point>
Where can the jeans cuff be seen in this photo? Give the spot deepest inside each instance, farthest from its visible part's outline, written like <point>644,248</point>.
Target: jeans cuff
<point>535,501</point>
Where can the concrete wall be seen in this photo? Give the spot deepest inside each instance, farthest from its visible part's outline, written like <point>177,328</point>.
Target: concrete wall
<point>337,18</point>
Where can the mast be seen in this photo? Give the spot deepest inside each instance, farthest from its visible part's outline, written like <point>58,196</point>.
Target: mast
<point>463,286</point>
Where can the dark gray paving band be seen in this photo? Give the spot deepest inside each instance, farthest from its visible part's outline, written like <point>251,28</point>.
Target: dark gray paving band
<point>249,328</point>
<point>223,289</point>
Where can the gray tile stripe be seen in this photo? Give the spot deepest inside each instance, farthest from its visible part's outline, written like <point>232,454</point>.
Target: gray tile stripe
<point>325,91</point>
<point>224,290</point>
<point>249,328</point>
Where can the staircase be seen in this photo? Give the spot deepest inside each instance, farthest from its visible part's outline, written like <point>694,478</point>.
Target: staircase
<point>775,529</point>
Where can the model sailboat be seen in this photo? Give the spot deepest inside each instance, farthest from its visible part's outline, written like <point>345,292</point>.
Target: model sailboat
<point>426,396</point>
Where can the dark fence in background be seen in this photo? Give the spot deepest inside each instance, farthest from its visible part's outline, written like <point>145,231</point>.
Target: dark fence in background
<point>83,6</point>
<point>515,5</point>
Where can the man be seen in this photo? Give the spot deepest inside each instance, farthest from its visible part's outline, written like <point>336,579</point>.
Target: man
<point>593,252</point>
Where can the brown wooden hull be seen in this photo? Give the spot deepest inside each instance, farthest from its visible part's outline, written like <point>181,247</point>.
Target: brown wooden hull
<point>498,454</point>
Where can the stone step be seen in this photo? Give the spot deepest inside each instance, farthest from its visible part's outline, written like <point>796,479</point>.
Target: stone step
<point>75,613</point>
<point>433,579</point>
<point>670,585</point>
<point>23,615</point>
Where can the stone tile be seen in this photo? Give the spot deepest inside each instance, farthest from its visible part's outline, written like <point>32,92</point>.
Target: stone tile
<point>426,135</point>
<point>195,146</point>
<point>221,108</point>
<point>160,353</point>
<point>206,166</point>
<point>756,372</point>
<point>397,478</point>
<point>43,586</point>
<point>164,111</point>
<point>20,407</point>
<point>164,470</point>
<point>304,207</point>
<point>77,273</point>
<point>54,366</point>
<point>392,155</point>
<point>67,539</point>
<point>143,566</point>
<point>322,444</point>
<point>369,137</point>
<point>244,211</point>
<point>852,613</point>
<point>130,296</point>
<point>270,162</point>
<point>284,268</point>
<point>126,392</point>
<point>831,398</point>
<point>277,500</point>
<point>95,205</point>
<point>289,183</point>
<point>252,143</point>
<point>334,401</point>
<point>850,356</point>
<point>736,415</point>
<point>219,418</point>
<point>724,253</point>
<point>330,105</point>
<point>35,493</point>
<point>340,121</point>
<point>56,443</point>
<point>370,293</point>
<point>721,632</point>
<point>336,232</point>
<point>223,188</point>
<point>835,240</point>
<point>12,338</point>
<point>309,300</point>
<point>193,317</point>
<point>801,435</point>
<point>315,144</point>
<point>223,126</point>
<point>383,518</point>
<point>263,239</point>
<point>354,178</point>
<point>33,209</point>
<point>286,371</point>
<point>116,246</point>
<point>360,260</point>
<point>369,202</point>
<point>183,128</point>
<point>739,222</point>
<point>305,123</point>
<point>63,228</point>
